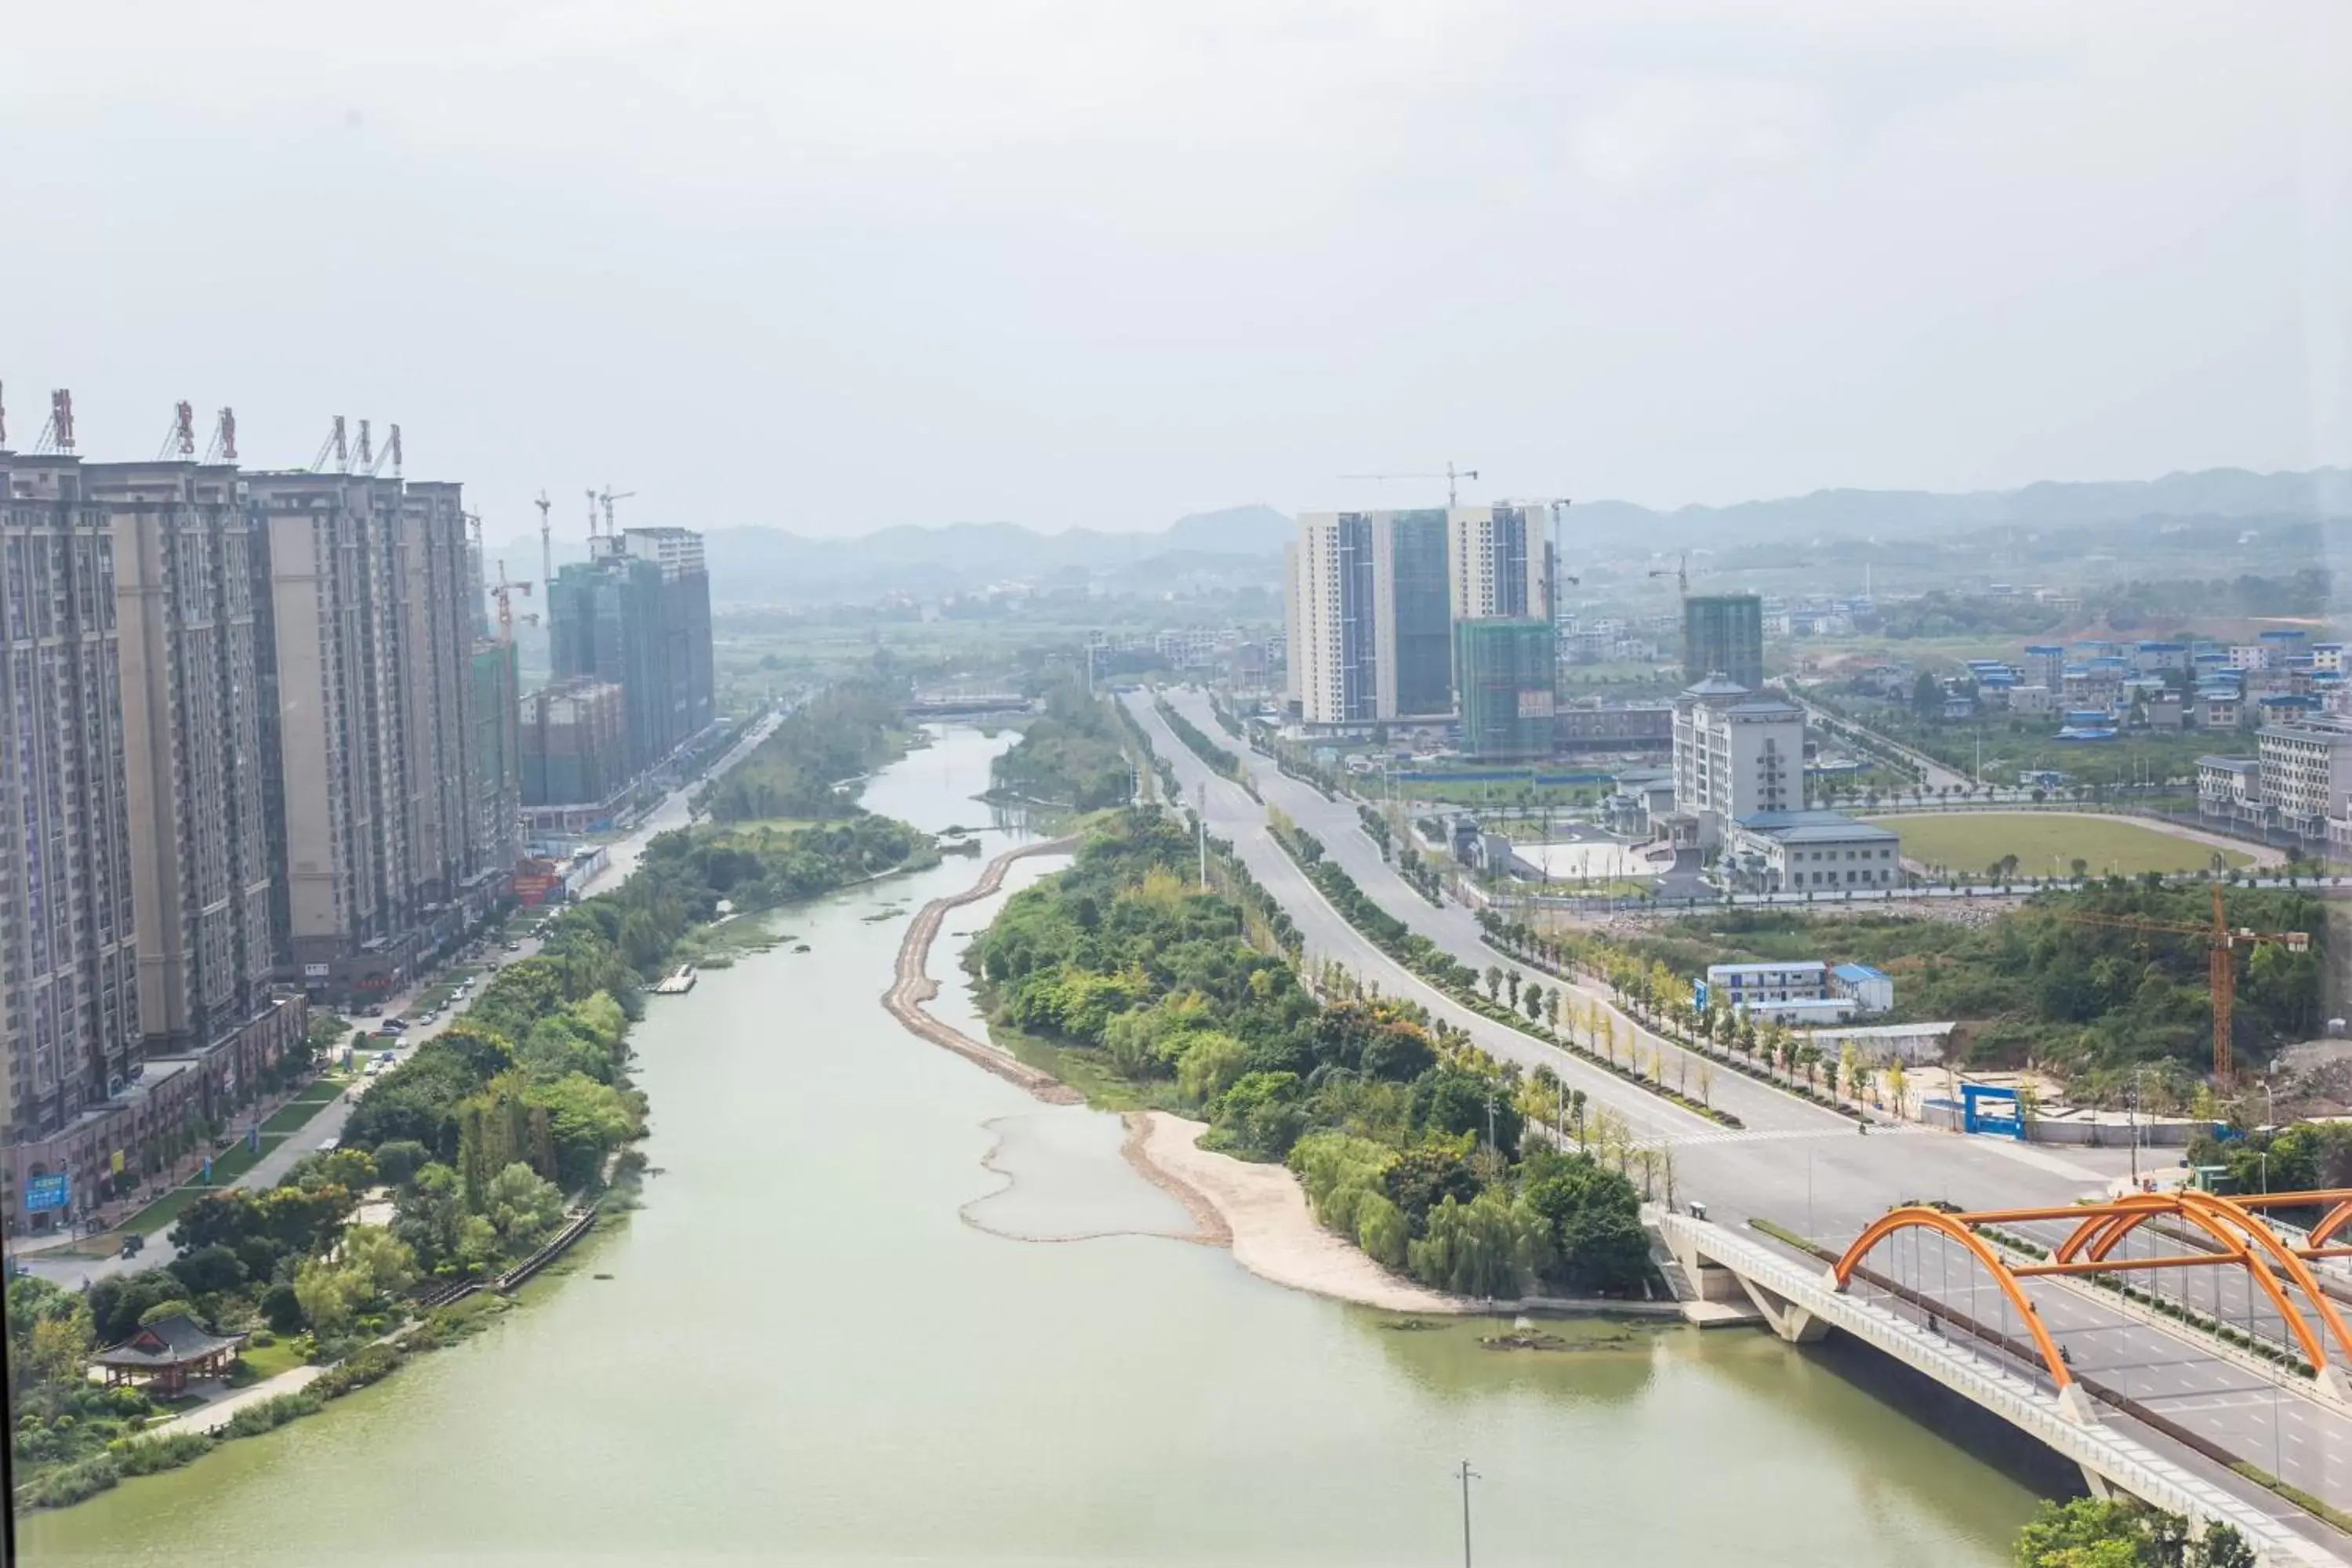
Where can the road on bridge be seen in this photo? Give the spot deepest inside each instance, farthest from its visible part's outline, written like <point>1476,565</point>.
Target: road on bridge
<point>1795,1164</point>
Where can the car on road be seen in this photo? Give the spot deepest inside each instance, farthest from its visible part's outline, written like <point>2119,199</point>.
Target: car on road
<point>393,1024</point>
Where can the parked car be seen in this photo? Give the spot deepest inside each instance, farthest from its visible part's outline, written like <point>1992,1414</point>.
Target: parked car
<point>394,1025</point>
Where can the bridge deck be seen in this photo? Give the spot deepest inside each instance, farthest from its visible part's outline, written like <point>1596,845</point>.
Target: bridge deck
<point>2105,1448</point>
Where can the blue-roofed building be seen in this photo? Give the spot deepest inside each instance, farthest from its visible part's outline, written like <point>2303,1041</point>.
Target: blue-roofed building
<point>1871,990</point>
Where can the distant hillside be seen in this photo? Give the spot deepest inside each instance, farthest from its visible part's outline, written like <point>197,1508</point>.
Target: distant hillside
<point>1239,545</point>
<point>2214,493</point>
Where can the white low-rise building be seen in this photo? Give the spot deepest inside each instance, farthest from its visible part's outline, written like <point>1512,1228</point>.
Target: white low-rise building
<point>1744,984</point>
<point>1871,990</point>
<point>1812,851</point>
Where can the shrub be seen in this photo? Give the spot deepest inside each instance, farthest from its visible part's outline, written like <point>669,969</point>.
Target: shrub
<point>271,1414</point>
<point>68,1484</point>
<point>365,1366</point>
<point>146,1456</point>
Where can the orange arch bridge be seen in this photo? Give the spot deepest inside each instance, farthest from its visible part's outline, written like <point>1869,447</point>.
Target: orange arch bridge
<point>2232,1235</point>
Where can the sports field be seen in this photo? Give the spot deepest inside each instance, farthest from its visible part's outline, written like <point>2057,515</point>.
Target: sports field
<point>2047,843</point>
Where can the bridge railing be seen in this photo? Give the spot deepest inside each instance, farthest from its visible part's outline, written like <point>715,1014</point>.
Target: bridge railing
<point>2122,1460</point>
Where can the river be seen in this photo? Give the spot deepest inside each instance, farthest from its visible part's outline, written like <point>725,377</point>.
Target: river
<point>820,1343</point>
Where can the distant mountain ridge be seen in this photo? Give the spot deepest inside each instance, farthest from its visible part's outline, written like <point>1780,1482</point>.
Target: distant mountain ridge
<point>769,565</point>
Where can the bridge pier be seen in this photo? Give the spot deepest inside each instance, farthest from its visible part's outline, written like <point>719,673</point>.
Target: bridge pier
<point>1791,1322</point>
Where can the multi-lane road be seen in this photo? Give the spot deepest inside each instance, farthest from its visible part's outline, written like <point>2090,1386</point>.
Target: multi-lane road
<point>1797,1163</point>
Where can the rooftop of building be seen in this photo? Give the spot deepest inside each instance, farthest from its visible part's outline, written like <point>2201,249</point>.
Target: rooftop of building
<point>1815,826</point>
<point>1857,972</point>
<point>2231,765</point>
<point>1788,966</point>
<point>1715,685</point>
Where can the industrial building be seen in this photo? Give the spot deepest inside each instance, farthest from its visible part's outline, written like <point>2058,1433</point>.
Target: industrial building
<point>1723,633</point>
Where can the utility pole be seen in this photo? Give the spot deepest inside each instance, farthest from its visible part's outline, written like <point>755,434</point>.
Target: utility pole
<point>2135,1127</point>
<point>1468,1475</point>
<point>1200,829</point>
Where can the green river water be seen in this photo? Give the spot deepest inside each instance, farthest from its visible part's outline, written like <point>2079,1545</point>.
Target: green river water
<point>833,1335</point>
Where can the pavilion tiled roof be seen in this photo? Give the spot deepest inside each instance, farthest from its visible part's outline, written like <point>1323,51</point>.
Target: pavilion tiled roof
<point>167,1341</point>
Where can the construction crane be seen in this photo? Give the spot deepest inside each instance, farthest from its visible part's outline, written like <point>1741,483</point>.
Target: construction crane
<point>180,440</point>
<point>608,497</point>
<point>2222,944</point>
<point>224,443</point>
<point>57,435</point>
<point>1451,475</point>
<point>1681,574</point>
<point>504,592</point>
<point>335,446</point>
<point>546,542</point>
<point>371,463</point>
<point>1557,554</point>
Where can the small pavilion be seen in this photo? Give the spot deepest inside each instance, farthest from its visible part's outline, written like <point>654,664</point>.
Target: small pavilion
<point>170,1351</point>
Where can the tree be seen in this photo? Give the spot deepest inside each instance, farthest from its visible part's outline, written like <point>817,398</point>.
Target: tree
<point>1533,1000</point>
<point>523,1207</point>
<point>1493,982</point>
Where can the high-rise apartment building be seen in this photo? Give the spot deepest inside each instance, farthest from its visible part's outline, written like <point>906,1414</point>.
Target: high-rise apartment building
<point>191,688</point>
<point>1501,561</point>
<point>1333,655</point>
<point>69,1022</point>
<point>1723,633</point>
<point>637,615</point>
<point>497,756</point>
<point>1369,628</point>
<point>1412,643</point>
<point>368,732</point>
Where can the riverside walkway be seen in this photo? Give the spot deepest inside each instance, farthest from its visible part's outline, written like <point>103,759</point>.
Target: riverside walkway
<point>911,984</point>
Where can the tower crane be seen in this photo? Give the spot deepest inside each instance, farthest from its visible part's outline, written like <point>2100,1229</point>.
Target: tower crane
<point>180,440</point>
<point>608,497</point>
<point>373,461</point>
<point>1451,475</point>
<point>2222,944</point>
<point>224,443</point>
<point>546,541</point>
<point>504,592</point>
<point>336,445</point>
<point>1681,574</point>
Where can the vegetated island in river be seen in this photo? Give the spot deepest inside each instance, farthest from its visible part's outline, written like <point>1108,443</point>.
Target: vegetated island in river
<point>1121,978</point>
<point>490,1141</point>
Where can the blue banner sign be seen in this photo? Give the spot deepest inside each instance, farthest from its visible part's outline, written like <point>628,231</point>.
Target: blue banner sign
<point>54,1191</point>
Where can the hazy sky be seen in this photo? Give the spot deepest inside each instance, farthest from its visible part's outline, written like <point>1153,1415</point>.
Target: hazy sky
<point>836,267</point>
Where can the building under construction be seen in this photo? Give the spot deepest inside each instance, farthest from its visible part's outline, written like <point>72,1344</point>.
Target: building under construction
<point>1723,633</point>
<point>637,615</point>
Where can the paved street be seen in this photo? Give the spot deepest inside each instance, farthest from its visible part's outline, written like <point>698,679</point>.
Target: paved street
<point>1797,1163</point>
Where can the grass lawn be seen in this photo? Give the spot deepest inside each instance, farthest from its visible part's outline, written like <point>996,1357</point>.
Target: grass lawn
<point>2047,843</point>
<point>299,1110</point>
<point>269,1361</point>
<point>226,1168</point>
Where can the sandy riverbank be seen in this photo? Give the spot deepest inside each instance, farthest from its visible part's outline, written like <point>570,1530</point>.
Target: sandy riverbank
<point>1265,1221</point>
